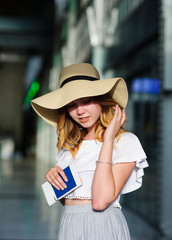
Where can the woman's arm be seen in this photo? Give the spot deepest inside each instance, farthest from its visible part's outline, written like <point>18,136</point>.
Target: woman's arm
<point>103,186</point>
<point>109,179</point>
<point>108,183</point>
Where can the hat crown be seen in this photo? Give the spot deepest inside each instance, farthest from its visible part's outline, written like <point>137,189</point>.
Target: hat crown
<point>80,69</point>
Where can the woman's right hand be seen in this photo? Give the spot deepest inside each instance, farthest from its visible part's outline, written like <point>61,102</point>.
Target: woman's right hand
<point>55,176</point>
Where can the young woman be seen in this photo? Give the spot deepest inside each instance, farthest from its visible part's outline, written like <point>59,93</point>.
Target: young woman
<point>89,114</point>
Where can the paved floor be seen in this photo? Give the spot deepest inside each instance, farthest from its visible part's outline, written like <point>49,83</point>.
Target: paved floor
<point>24,213</point>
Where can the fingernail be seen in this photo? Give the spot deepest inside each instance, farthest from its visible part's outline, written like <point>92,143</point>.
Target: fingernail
<point>66,179</point>
<point>65,186</point>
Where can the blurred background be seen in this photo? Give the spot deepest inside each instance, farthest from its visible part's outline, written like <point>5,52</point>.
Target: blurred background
<point>122,38</point>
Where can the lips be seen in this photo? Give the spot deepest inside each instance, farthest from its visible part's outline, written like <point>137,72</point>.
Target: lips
<point>84,119</point>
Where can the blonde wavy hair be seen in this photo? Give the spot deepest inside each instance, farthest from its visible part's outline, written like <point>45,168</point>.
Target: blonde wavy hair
<point>70,134</point>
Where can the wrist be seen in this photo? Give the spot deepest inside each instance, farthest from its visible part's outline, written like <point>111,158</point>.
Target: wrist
<point>109,141</point>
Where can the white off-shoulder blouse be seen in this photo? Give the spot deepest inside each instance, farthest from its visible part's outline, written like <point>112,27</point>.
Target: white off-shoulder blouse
<point>127,149</point>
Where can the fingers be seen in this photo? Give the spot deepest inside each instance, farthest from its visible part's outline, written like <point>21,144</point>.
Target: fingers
<point>62,173</point>
<point>123,116</point>
<point>119,115</point>
<point>55,176</point>
<point>116,123</point>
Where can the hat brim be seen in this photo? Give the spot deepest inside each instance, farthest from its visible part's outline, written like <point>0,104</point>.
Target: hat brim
<point>47,105</point>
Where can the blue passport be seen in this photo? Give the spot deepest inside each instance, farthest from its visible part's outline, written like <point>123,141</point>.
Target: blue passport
<point>71,184</point>
<point>74,181</point>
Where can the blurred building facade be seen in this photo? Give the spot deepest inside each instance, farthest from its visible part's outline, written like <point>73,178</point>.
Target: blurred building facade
<point>26,40</point>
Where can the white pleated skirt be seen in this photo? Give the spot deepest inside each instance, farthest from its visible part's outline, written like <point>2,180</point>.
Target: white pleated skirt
<point>81,222</point>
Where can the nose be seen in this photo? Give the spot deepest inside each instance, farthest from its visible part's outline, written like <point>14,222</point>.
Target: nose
<point>80,109</point>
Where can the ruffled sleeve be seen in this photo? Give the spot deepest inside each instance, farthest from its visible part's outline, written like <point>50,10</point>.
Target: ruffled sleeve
<point>129,149</point>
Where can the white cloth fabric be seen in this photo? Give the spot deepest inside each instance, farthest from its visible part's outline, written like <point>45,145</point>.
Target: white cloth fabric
<point>127,149</point>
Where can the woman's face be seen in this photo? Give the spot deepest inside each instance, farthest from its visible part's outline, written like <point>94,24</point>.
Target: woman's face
<point>84,111</point>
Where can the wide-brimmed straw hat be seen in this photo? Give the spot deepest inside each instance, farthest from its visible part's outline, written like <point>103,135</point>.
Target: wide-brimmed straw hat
<point>78,81</point>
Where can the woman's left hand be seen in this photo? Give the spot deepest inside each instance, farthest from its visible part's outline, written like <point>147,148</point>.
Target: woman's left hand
<point>116,123</point>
